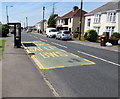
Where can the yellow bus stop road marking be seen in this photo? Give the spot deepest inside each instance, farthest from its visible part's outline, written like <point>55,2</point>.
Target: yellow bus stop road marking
<point>50,57</point>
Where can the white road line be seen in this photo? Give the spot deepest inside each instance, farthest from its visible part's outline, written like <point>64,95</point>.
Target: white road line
<point>99,58</point>
<point>36,37</point>
<point>59,45</point>
<point>43,39</point>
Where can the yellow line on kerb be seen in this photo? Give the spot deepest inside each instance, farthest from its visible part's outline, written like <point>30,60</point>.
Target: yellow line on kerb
<point>55,67</point>
<point>88,61</point>
<point>37,62</point>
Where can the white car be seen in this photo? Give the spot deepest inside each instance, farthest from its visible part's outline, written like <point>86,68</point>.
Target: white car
<point>64,35</point>
<point>51,32</point>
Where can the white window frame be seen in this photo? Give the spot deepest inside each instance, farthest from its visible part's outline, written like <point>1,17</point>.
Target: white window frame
<point>70,20</point>
<point>97,18</point>
<point>111,16</point>
<point>88,22</point>
<point>110,29</point>
<point>97,28</point>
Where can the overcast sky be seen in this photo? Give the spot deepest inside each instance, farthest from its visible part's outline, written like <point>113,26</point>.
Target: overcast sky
<point>33,10</point>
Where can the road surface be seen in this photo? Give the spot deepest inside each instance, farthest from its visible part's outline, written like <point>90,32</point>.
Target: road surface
<point>84,71</point>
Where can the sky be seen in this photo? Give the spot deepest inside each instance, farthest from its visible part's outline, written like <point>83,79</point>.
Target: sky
<point>33,10</point>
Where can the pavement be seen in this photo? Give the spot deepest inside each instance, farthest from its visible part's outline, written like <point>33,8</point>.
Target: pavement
<point>115,48</point>
<point>20,77</point>
<point>0,79</point>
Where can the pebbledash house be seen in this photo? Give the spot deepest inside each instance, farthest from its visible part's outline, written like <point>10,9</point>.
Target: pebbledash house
<point>104,19</point>
<point>71,20</point>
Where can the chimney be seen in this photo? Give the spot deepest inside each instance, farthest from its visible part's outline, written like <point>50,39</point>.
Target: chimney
<point>75,8</point>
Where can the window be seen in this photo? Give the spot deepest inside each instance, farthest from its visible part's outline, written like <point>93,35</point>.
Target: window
<point>97,18</point>
<point>111,16</point>
<point>97,29</point>
<point>88,22</point>
<point>70,20</point>
<point>110,29</point>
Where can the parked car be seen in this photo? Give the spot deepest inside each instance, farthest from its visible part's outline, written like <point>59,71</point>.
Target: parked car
<point>51,32</point>
<point>64,35</point>
<point>29,30</point>
<point>12,31</point>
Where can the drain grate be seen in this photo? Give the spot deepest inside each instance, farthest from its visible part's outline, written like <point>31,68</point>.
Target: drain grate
<point>29,44</point>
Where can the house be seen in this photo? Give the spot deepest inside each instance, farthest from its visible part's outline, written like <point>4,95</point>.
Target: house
<point>39,25</point>
<point>71,20</point>
<point>106,18</point>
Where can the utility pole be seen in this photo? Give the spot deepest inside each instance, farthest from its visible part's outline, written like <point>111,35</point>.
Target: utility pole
<point>80,20</point>
<point>27,22</point>
<point>43,16</point>
<point>53,9</point>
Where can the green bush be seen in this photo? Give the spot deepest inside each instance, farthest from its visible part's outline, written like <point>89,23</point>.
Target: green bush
<point>75,34</point>
<point>115,35</point>
<point>4,31</point>
<point>91,35</point>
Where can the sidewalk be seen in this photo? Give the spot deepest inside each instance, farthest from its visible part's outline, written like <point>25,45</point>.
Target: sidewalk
<point>97,45</point>
<point>20,78</point>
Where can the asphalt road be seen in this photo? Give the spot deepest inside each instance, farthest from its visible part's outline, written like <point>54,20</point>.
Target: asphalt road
<point>98,80</point>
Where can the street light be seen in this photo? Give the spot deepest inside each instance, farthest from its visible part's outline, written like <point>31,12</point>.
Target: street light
<point>7,13</point>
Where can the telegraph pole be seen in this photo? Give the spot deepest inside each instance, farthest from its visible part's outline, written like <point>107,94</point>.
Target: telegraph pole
<point>81,20</point>
<point>53,8</point>
<point>26,21</point>
<point>43,16</point>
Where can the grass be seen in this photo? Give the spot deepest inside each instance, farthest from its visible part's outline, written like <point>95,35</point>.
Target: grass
<point>98,41</point>
<point>2,45</point>
<point>80,39</point>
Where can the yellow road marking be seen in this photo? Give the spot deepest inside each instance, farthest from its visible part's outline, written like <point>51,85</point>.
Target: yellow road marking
<point>37,62</point>
<point>89,61</point>
<point>55,67</point>
<point>74,55</point>
<point>62,50</point>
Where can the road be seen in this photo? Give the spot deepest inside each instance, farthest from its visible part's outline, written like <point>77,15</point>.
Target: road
<point>97,77</point>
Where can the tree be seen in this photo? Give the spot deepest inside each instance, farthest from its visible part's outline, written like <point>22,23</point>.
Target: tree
<point>52,21</point>
<point>4,31</point>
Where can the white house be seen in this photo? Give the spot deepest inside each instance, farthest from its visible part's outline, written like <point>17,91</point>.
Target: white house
<point>39,25</point>
<point>71,20</point>
<point>104,19</point>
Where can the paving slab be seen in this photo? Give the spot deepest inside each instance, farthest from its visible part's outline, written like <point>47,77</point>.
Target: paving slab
<point>20,77</point>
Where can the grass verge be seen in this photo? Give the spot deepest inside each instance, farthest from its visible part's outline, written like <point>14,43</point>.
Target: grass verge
<point>80,39</point>
<point>2,45</point>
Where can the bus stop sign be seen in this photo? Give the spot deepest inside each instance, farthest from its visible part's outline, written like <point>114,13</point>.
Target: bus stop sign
<point>17,34</point>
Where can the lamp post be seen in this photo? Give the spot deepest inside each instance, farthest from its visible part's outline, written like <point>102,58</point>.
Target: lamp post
<point>81,20</point>
<point>7,13</point>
